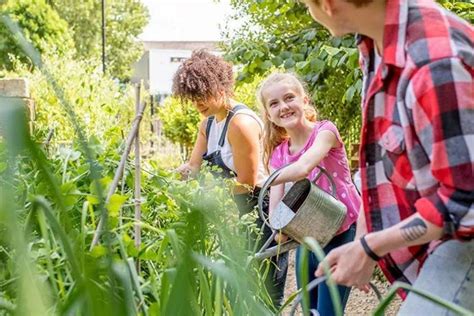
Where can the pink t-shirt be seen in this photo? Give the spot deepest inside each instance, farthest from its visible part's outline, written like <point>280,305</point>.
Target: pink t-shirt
<point>335,163</point>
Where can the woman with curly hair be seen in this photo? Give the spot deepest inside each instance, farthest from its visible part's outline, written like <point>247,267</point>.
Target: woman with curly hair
<point>230,137</point>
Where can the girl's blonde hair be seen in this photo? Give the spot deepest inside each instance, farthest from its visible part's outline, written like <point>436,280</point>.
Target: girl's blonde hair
<point>274,135</point>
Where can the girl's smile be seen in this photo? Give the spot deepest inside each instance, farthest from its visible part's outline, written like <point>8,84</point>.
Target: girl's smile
<point>285,104</point>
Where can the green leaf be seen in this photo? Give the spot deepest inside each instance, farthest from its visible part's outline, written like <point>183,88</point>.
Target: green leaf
<point>277,61</point>
<point>289,63</point>
<point>92,199</point>
<point>285,54</point>
<point>302,64</point>
<point>317,65</point>
<point>309,36</point>
<point>98,251</point>
<point>298,57</point>
<point>349,94</point>
<point>115,203</point>
<point>266,65</point>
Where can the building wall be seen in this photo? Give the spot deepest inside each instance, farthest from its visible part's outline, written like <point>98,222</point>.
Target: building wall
<point>160,62</point>
<point>141,70</point>
<point>163,65</point>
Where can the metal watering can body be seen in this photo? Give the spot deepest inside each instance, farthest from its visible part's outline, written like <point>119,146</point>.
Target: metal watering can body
<point>304,211</point>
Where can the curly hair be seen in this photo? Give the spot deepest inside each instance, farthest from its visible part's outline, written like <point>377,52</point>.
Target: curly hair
<point>203,75</point>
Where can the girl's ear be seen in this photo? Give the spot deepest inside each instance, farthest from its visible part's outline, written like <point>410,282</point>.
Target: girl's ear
<point>306,99</point>
<point>266,115</point>
<point>328,7</point>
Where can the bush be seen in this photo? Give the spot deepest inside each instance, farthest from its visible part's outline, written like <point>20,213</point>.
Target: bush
<point>180,123</point>
<point>103,107</point>
<point>40,24</point>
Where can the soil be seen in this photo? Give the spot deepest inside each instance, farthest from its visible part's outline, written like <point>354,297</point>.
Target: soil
<point>359,302</point>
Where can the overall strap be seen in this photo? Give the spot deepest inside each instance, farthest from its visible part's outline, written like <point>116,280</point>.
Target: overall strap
<point>208,126</point>
<point>227,121</point>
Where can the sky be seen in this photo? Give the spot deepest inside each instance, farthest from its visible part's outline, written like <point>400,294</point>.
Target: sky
<point>185,20</point>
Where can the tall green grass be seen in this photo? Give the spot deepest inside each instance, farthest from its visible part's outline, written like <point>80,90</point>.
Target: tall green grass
<point>194,258</point>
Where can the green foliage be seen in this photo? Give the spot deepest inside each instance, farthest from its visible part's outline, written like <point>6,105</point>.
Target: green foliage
<point>193,247</point>
<point>346,115</point>
<point>462,8</point>
<point>125,20</point>
<point>42,26</point>
<point>246,93</point>
<point>282,35</point>
<point>104,107</point>
<point>180,123</point>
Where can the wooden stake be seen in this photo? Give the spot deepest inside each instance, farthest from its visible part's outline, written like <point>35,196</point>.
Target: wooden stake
<point>119,171</point>
<point>138,210</point>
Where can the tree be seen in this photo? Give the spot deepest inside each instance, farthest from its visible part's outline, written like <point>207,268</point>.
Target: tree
<point>40,24</point>
<point>463,8</point>
<point>281,34</point>
<point>180,123</point>
<point>125,20</point>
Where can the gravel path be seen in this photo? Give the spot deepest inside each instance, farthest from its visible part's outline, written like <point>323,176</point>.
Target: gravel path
<point>359,302</point>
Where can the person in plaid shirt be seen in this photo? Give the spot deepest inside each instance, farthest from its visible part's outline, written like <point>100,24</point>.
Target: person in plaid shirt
<point>416,151</point>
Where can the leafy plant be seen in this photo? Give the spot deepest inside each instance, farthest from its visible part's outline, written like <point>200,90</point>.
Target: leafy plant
<point>462,8</point>
<point>42,26</point>
<point>282,35</point>
<point>180,123</point>
<point>125,21</point>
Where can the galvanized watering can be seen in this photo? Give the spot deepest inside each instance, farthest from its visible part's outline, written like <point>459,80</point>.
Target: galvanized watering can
<point>305,210</point>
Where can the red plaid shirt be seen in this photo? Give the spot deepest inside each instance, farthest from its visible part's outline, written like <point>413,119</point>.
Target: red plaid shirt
<point>417,142</point>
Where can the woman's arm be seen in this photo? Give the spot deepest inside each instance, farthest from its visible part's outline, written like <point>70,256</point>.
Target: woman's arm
<point>200,146</point>
<point>412,231</point>
<point>244,138</point>
<point>324,142</point>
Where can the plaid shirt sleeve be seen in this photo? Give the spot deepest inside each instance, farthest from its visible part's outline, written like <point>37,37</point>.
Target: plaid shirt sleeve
<point>442,101</point>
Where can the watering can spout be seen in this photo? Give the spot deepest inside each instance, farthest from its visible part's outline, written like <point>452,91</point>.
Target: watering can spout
<point>275,250</point>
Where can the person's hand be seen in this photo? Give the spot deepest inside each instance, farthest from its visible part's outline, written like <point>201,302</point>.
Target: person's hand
<point>280,238</point>
<point>349,266</point>
<point>185,170</point>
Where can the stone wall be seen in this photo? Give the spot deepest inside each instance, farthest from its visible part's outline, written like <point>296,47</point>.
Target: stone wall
<point>18,88</point>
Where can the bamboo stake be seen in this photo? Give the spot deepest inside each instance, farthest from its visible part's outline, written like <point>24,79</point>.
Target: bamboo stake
<point>138,210</point>
<point>152,124</point>
<point>119,171</point>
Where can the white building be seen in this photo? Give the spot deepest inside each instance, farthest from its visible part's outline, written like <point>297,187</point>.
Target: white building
<point>161,60</point>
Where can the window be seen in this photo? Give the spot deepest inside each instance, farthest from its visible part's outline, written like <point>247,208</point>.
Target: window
<point>177,59</point>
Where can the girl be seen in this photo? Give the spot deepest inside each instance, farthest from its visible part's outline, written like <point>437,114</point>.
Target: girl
<point>294,136</point>
<point>229,137</point>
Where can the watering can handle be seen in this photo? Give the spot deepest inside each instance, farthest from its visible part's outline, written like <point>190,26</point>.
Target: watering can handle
<point>272,178</point>
<point>311,285</point>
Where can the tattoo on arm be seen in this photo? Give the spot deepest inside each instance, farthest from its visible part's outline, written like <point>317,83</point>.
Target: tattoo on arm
<point>414,230</point>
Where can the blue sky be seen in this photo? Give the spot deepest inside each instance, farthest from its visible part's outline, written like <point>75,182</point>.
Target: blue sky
<point>185,20</point>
